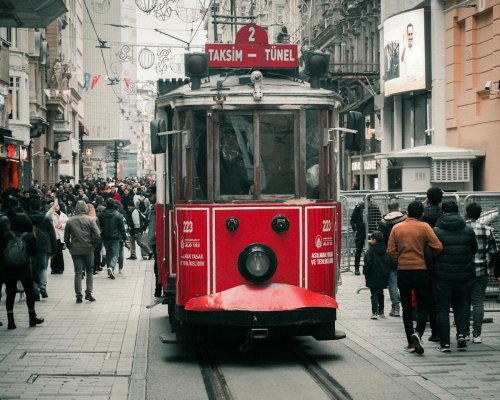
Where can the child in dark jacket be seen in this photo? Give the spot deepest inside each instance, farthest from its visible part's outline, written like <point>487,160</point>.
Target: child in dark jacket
<point>376,270</point>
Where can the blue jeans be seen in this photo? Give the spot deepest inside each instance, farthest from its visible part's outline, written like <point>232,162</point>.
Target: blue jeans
<point>112,253</point>
<point>393,288</point>
<point>40,264</point>
<point>450,293</point>
<point>476,299</point>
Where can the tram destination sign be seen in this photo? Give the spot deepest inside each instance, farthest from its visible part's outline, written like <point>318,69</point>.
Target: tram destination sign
<point>252,50</point>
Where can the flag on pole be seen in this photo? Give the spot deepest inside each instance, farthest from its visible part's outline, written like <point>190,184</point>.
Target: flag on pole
<point>86,81</point>
<point>95,79</point>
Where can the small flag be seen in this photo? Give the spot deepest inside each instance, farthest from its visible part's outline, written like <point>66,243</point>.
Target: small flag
<point>86,81</point>
<point>127,81</point>
<point>95,79</point>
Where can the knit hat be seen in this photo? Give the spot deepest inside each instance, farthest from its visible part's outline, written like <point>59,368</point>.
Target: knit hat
<point>394,217</point>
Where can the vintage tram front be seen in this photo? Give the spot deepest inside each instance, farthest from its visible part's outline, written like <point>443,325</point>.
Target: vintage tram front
<point>248,229</point>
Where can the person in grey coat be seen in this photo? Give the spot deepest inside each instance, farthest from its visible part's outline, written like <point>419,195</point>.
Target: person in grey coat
<point>81,236</point>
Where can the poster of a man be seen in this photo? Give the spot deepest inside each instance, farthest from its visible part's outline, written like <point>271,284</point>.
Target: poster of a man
<point>404,47</point>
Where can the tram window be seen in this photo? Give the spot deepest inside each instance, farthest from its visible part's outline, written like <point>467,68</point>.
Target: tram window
<point>313,120</point>
<point>200,156</point>
<point>277,153</point>
<point>236,154</point>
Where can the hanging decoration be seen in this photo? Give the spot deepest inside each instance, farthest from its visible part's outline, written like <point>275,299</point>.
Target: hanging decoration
<point>146,58</point>
<point>163,60</point>
<point>95,79</point>
<point>116,68</point>
<point>101,6</point>
<point>189,14</point>
<point>146,5</point>
<point>147,91</point>
<point>131,88</point>
<point>163,10</point>
<point>125,54</point>
<point>177,63</point>
<point>86,81</point>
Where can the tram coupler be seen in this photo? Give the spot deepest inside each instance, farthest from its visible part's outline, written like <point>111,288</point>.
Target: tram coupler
<point>252,335</point>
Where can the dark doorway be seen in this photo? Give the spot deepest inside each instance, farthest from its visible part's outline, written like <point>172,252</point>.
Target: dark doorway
<point>394,176</point>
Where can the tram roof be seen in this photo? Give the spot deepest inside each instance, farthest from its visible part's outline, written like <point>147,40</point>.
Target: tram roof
<point>239,91</point>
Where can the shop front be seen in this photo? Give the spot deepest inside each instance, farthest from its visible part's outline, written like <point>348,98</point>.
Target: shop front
<point>364,173</point>
<point>11,175</point>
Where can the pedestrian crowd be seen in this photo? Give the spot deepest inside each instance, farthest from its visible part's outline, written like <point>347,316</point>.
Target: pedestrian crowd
<point>431,259</point>
<point>93,220</point>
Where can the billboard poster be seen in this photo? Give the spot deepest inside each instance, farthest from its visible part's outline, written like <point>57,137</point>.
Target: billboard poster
<point>405,52</point>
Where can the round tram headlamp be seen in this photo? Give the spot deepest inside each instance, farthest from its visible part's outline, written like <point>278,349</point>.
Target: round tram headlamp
<point>257,263</point>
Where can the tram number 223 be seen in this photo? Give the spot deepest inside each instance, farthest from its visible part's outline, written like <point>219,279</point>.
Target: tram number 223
<point>327,225</point>
<point>187,227</point>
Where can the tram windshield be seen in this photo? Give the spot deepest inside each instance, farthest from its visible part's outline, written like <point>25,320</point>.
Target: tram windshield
<point>276,154</point>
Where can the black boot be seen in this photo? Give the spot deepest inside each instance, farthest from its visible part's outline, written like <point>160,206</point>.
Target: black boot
<point>10,318</point>
<point>34,320</point>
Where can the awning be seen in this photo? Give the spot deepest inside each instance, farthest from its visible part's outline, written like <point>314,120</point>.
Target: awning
<point>30,13</point>
<point>435,152</point>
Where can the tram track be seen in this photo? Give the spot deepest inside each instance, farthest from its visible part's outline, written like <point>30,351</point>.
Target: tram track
<point>217,387</point>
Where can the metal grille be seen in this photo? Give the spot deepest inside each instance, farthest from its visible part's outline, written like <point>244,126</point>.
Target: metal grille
<point>450,171</point>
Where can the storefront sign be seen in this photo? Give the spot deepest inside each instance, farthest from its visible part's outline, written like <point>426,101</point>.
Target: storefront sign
<point>368,165</point>
<point>9,150</point>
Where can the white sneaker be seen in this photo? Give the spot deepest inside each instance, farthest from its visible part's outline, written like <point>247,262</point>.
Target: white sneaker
<point>381,316</point>
<point>467,338</point>
<point>477,339</point>
<point>374,316</point>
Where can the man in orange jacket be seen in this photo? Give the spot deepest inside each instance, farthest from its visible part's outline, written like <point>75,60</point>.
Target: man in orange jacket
<point>406,247</point>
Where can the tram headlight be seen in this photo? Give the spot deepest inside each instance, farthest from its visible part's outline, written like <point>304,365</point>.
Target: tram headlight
<point>257,263</point>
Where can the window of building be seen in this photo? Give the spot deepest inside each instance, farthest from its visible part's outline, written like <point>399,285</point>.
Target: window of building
<point>14,108</point>
<point>415,121</point>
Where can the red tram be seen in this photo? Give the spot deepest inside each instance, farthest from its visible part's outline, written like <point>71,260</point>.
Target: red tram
<point>248,229</point>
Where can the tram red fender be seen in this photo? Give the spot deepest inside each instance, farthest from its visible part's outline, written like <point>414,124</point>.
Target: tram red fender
<point>268,297</point>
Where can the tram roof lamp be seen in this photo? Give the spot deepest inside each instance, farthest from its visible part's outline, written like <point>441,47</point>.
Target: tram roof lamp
<point>196,67</point>
<point>316,66</point>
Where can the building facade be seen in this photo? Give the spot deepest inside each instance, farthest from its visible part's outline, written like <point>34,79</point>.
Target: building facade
<point>472,99</point>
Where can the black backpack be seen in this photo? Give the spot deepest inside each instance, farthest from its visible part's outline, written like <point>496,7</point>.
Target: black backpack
<point>142,207</point>
<point>16,253</point>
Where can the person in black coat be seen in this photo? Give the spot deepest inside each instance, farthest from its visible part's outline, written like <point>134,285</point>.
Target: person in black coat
<point>376,270</point>
<point>17,223</point>
<point>46,246</point>
<point>453,271</point>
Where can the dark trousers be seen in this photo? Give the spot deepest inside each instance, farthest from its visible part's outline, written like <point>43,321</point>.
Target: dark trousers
<point>454,294</point>
<point>360,242</point>
<point>417,280</point>
<point>97,257</point>
<point>11,288</point>
<point>57,263</point>
<point>377,298</point>
<point>157,279</point>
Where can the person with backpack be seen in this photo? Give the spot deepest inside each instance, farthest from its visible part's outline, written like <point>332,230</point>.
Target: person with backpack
<point>46,246</point>
<point>137,226</point>
<point>112,234</point>
<point>17,246</point>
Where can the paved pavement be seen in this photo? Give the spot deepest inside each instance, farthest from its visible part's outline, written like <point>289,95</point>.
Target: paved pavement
<point>99,350</point>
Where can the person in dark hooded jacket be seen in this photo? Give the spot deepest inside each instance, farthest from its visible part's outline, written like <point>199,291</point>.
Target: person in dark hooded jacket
<point>376,270</point>
<point>453,272</point>
<point>17,223</point>
<point>432,211</point>
<point>46,246</point>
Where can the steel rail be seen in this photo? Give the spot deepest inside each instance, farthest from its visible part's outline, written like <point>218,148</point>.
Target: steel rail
<point>214,380</point>
<point>325,381</point>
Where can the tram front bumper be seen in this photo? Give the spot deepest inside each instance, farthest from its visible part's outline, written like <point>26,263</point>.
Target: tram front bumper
<point>274,304</point>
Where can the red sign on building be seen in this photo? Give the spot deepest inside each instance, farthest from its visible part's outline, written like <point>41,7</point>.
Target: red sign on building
<point>252,50</point>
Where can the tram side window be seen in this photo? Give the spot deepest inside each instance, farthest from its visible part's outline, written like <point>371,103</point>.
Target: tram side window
<point>236,155</point>
<point>312,153</point>
<point>277,153</point>
<point>200,156</point>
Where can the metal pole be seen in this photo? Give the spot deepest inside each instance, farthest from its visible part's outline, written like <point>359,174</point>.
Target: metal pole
<point>116,160</point>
